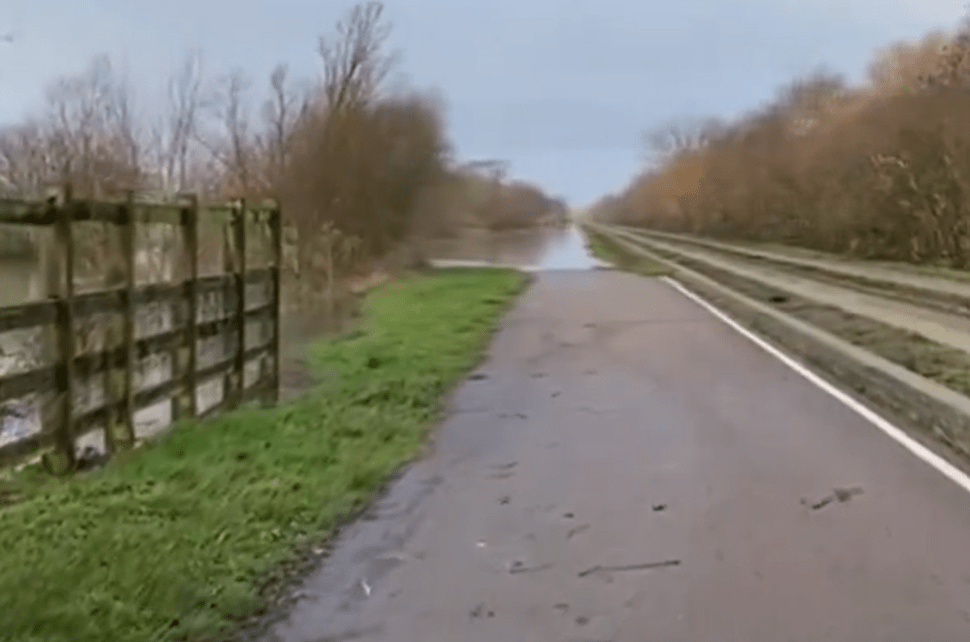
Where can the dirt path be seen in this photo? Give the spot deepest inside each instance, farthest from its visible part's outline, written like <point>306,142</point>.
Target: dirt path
<point>625,467</point>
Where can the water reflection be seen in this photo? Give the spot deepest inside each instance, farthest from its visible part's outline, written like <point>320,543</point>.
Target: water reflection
<point>568,252</point>
<point>19,282</point>
<point>549,248</point>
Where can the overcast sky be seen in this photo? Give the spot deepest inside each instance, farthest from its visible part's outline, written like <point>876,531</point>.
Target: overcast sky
<point>560,88</point>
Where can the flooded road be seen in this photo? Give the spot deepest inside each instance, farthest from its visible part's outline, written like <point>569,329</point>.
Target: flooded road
<point>551,248</point>
<point>626,467</point>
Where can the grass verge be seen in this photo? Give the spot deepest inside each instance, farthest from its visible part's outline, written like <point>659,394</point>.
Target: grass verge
<point>602,247</point>
<point>181,539</point>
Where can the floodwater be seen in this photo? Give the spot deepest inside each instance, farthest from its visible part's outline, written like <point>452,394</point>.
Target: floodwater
<point>19,282</point>
<point>25,349</point>
<point>548,248</point>
<point>542,249</point>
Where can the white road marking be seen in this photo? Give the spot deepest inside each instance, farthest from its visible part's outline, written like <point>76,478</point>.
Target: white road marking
<point>943,466</point>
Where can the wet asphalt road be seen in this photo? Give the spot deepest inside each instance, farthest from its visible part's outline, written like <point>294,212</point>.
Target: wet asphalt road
<point>618,425</point>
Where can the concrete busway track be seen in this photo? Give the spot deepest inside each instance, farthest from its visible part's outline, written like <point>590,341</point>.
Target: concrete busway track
<point>947,328</point>
<point>935,412</point>
<point>948,290</point>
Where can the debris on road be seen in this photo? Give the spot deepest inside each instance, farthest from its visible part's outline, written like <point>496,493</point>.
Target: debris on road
<point>822,503</point>
<point>659,507</point>
<point>630,567</point>
<point>364,585</point>
<point>845,494</point>
<point>478,376</point>
<point>519,567</point>
<point>576,531</point>
<point>478,610</point>
<point>508,466</point>
<point>840,495</point>
<point>504,500</point>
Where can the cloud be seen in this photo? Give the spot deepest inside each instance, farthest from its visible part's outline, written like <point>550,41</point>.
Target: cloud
<point>562,89</point>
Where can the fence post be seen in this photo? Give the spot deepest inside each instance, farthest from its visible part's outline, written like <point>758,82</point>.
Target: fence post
<point>227,315</point>
<point>129,249</point>
<point>276,241</point>
<point>190,241</point>
<point>239,232</point>
<point>64,458</point>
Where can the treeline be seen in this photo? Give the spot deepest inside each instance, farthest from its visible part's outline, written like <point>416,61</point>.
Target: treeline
<point>350,159</point>
<point>878,170</point>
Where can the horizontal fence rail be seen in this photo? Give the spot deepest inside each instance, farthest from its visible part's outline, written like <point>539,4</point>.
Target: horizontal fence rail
<point>100,364</point>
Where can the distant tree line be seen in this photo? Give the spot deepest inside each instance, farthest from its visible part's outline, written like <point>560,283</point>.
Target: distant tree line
<point>879,170</point>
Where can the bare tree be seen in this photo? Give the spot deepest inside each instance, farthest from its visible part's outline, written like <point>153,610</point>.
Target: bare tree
<point>237,124</point>
<point>232,145</point>
<point>125,123</point>
<point>282,113</point>
<point>334,169</point>
<point>354,62</point>
<point>90,134</point>
<point>25,159</point>
<point>174,132</point>
<point>679,136</point>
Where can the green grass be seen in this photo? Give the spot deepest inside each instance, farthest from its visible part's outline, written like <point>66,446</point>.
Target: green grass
<point>175,541</point>
<point>603,248</point>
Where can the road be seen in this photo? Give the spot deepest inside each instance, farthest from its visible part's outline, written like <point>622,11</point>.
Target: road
<point>618,424</point>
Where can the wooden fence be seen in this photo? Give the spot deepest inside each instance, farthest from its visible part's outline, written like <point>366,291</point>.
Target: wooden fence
<point>100,355</point>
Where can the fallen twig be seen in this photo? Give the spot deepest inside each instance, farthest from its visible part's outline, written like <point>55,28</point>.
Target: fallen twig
<point>841,495</point>
<point>630,567</point>
<point>529,569</point>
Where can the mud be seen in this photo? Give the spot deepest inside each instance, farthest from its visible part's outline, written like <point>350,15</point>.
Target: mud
<point>661,405</point>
